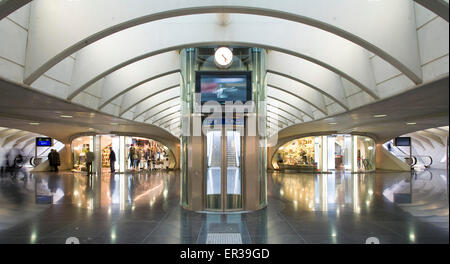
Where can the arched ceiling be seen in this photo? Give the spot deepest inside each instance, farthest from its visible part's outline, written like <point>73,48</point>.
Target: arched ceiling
<point>433,137</point>
<point>128,57</point>
<point>16,138</point>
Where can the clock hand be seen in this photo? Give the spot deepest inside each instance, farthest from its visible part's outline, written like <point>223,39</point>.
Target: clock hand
<point>224,57</point>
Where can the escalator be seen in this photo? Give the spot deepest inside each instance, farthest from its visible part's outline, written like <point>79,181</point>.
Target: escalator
<point>416,161</point>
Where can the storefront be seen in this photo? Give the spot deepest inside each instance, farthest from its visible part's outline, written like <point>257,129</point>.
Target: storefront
<point>340,152</point>
<point>132,153</point>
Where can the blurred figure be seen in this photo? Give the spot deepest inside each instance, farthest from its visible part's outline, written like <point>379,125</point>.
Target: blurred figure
<point>2,163</point>
<point>11,159</point>
<point>54,160</point>
<point>137,159</point>
<point>52,183</point>
<point>15,160</point>
<point>90,157</point>
<point>131,155</point>
<point>389,146</point>
<point>147,158</point>
<point>112,185</point>
<point>279,158</point>
<point>112,159</point>
<point>166,163</point>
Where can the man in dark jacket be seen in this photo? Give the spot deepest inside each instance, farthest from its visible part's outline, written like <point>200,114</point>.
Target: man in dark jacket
<point>53,159</point>
<point>90,157</point>
<point>131,152</point>
<point>112,159</point>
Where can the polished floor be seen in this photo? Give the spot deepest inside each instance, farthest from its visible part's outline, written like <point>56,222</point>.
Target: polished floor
<point>303,208</point>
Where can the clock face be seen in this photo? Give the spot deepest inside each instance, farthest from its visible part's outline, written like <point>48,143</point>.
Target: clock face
<point>223,57</point>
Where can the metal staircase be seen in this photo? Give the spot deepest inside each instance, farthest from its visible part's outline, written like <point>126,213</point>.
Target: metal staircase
<point>231,153</point>
<point>419,161</point>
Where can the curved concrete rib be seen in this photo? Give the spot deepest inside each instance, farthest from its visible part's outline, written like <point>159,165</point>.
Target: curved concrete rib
<point>158,108</point>
<point>163,114</point>
<point>167,119</point>
<point>9,6</point>
<point>170,123</point>
<point>135,74</point>
<point>275,118</point>
<point>439,7</point>
<point>380,36</point>
<point>279,101</point>
<point>275,111</point>
<point>286,111</point>
<point>291,100</point>
<point>147,90</point>
<point>156,100</point>
<point>285,108</point>
<point>11,139</point>
<point>297,89</point>
<point>281,118</point>
<point>436,138</point>
<point>332,52</point>
<point>308,73</point>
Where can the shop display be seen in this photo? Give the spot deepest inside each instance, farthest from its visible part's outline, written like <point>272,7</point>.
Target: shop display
<point>148,154</point>
<point>105,156</point>
<point>299,152</point>
<point>334,152</point>
<point>80,147</point>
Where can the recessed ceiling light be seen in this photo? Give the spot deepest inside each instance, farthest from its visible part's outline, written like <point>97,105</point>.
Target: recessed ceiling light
<point>114,124</point>
<point>332,123</point>
<point>411,123</point>
<point>34,123</point>
<point>379,115</point>
<point>91,128</point>
<point>66,116</point>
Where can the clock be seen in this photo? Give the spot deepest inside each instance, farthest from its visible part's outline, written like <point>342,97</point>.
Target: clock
<point>223,57</point>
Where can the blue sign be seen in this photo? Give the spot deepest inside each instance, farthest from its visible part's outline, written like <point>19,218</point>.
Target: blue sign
<point>43,142</point>
<point>44,199</point>
<point>402,141</point>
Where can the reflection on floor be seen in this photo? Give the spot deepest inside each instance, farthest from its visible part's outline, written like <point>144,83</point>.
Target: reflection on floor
<point>426,194</point>
<point>303,208</point>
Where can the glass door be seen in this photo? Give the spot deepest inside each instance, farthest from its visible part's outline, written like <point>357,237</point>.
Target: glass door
<point>233,163</point>
<point>214,169</point>
<point>223,170</point>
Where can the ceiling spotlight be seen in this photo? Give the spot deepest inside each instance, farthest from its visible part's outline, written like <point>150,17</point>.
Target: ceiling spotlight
<point>411,123</point>
<point>332,123</point>
<point>66,116</point>
<point>379,115</point>
<point>34,123</point>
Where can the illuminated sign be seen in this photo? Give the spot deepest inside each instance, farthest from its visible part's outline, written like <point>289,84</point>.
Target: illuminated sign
<point>402,141</point>
<point>44,142</point>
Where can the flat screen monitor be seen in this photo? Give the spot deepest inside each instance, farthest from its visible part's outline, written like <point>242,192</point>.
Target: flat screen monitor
<point>44,142</point>
<point>224,86</point>
<point>402,141</point>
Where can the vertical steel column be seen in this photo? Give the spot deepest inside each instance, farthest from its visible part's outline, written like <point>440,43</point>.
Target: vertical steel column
<point>193,177</point>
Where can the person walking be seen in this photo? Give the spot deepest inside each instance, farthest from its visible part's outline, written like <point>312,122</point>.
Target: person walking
<point>131,154</point>
<point>137,159</point>
<point>90,157</point>
<point>54,160</point>
<point>147,158</point>
<point>112,159</point>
